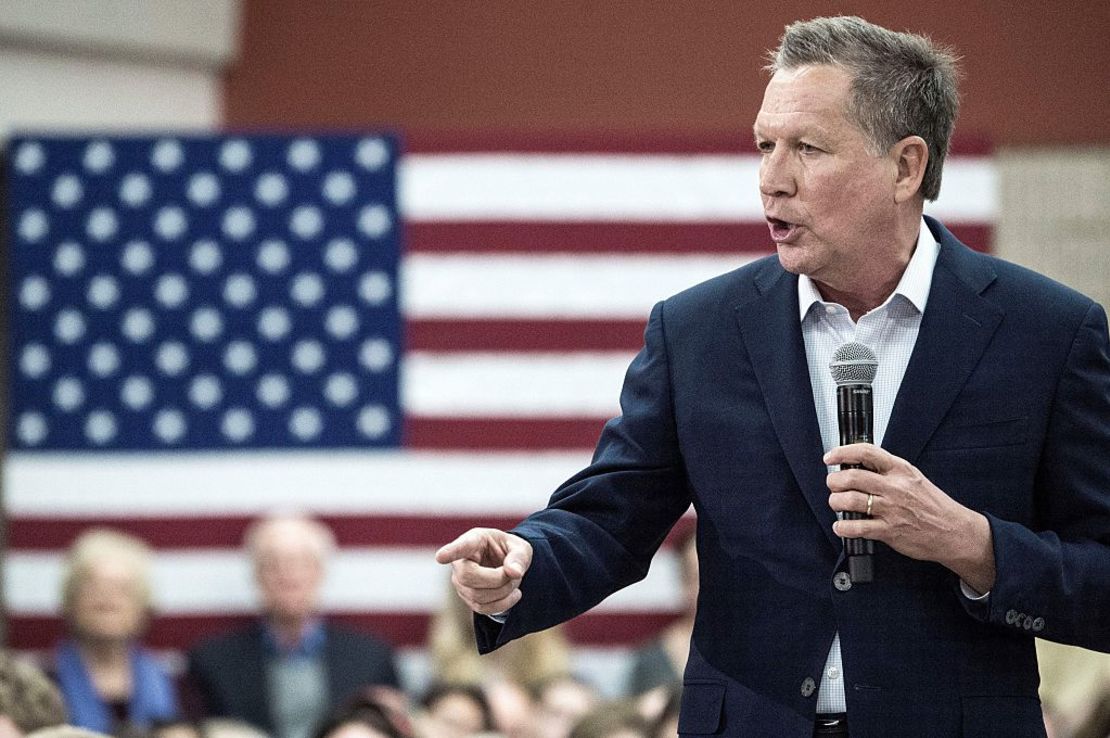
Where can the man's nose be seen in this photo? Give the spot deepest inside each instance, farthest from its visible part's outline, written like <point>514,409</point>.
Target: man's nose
<point>776,176</point>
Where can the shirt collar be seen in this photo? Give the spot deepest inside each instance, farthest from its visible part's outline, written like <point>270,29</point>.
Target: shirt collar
<point>310,645</point>
<point>913,286</point>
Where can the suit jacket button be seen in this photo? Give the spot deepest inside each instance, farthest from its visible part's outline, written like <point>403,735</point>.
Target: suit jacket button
<point>1011,617</point>
<point>808,685</point>
<point>842,581</point>
<point>1027,623</point>
<point>1038,625</point>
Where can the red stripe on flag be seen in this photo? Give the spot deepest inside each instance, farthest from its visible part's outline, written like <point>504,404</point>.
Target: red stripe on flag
<point>180,632</point>
<point>737,141</point>
<point>547,238</point>
<point>45,534</point>
<point>397,531</point>
<point>524,335</point>
<point>978,236</point>
<point>745,238</point>
<point>600,142</point>
<point>508,434</point>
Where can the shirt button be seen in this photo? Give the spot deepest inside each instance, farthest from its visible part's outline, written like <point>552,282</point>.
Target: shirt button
<point>842,581</point>
<point>808,686</point>
<point>833,673</point>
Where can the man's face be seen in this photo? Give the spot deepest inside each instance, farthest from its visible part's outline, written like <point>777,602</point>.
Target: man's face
<point>829,201</point>
<point>289,573</point>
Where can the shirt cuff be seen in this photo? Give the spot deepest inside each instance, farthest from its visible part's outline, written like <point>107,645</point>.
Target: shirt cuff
<point>967,592</point>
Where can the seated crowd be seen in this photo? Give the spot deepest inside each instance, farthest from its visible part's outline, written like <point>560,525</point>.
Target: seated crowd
<point>294,674</point>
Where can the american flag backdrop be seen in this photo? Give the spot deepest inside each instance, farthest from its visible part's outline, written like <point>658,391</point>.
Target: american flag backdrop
<point>204,329</point>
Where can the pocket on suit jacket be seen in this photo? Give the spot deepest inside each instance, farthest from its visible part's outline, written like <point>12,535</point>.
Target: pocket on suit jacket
<point>999,716</point>
<point>700,713</point>
<point>980,433</point>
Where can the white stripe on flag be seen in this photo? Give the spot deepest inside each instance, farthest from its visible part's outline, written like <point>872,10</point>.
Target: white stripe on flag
<point>358,579</point>
<point>550,286</point>
<point>605,187</point>
<point>255,482</point>
<point>499,385</point>
<point>619,187</point>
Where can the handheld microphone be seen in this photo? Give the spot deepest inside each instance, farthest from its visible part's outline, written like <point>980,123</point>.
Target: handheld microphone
<point>853,369</point>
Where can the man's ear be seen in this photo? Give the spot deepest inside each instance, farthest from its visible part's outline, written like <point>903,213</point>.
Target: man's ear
<point>910,155</point>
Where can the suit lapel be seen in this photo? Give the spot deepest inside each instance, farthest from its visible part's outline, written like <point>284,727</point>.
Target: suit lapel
<point>772,334</point>
<point>955,330</point>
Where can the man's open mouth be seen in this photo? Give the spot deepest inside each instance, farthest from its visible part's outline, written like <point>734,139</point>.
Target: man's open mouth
<point>781,230</point>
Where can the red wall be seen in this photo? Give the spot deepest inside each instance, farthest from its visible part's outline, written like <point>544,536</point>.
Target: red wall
<point>1035,72</point>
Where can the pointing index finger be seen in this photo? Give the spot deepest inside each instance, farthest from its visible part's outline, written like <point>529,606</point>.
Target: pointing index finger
<point>465,546</point>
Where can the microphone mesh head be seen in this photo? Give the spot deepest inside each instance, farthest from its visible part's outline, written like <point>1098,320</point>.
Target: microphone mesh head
<point>854,363</point>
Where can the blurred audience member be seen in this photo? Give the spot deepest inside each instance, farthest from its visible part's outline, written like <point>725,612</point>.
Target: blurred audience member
<point>506,674</point>
<point>662,661</point>
<point>1072,679</point>
<point>367,716</point>
<point>662,714</point>
<point>230,728</point>
<point>612,720</point>
<point>560,702</point>
<point>286,672</point>
<point>66,731</point>
<point>211,728</point>
<point>28,699</point>
<point>110,683</point>
<point>455,711</point>
<point>1097,723</point>
<point>176,729</point>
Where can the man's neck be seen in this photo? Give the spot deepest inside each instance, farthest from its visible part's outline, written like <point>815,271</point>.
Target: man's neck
<point>288,632</point>
<point>873,286</point>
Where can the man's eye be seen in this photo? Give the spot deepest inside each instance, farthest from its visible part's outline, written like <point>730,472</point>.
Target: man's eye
<point>807,148</point>
<point>765,147</point>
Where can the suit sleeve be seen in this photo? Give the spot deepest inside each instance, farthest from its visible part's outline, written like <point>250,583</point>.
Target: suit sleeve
<point>602,527</point>
<point>1054,582</point>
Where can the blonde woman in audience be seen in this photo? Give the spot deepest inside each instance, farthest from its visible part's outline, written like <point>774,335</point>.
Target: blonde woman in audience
<point>560,702</point>
<point>1072,680</point>
<point>612,720</point>
<point>505,675</point>
<point>110,683</point>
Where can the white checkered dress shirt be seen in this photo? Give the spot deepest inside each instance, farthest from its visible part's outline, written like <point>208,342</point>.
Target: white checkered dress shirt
<point>891,331</point>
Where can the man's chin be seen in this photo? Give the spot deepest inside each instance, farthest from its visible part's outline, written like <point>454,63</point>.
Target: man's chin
<point>791,259</point>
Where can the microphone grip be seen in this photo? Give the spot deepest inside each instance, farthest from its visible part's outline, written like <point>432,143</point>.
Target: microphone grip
<point>856,420</point>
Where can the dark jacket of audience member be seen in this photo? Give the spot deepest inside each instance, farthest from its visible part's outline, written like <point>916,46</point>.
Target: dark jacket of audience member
<point>229,673</point>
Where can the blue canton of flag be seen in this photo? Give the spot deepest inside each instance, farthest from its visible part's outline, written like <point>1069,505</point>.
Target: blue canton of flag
<point>204,293</point>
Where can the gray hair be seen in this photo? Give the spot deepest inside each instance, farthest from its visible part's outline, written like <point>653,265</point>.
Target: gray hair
<point>99,545</point>
<point>283,528</point>
<point>903,84</point>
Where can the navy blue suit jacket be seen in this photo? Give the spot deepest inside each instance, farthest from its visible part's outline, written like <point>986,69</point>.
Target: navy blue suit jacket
<point>1005,406</point>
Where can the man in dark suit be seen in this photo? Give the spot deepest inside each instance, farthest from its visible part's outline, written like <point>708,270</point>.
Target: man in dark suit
<point>286,672</point>
<point>988,498</point>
